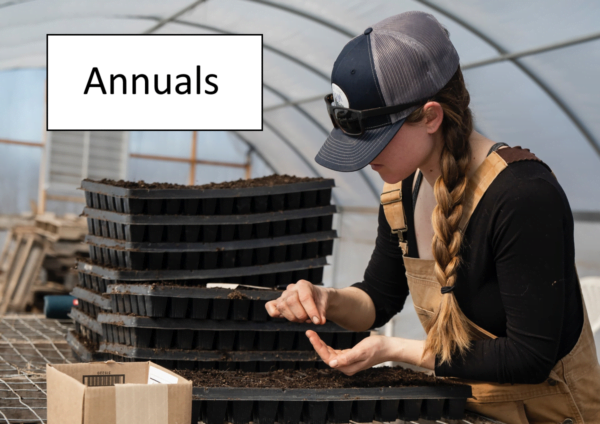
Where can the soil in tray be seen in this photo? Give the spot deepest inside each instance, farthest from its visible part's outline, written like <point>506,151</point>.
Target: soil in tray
<point>312,379</point>
<point>236,295</point>
<point>269,181</point>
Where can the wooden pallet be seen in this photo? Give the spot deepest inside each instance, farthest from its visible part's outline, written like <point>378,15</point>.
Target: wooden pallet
<point>70,227</point>
<point>20,263</point>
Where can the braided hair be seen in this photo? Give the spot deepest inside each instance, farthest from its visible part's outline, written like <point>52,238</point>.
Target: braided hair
<point>447,330</point>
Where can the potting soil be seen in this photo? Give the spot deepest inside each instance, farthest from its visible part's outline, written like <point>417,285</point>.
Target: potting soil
<point>269,181</point>
<point>312,379</point>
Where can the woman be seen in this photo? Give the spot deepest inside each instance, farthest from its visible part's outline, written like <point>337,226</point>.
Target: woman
<point>479,233</point>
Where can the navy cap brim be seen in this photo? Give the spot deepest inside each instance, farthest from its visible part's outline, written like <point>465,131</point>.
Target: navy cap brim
<point>345,153</point>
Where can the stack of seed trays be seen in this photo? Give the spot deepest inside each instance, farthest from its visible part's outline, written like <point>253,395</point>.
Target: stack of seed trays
<point>86,337</point>
<point>154,247</point>
<point>282,397</point>
<point>265,231</point>
<point>199,327</point>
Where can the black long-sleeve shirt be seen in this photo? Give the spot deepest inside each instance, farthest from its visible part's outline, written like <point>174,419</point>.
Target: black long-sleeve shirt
<point>517,279</point>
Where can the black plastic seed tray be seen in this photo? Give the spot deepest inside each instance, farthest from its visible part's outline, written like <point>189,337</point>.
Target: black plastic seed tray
<point>211,228</point>
<point>81,351</point>
<point>320,406</point>
<point>88,334</point>
<point>190,302</point>
<point>247,366</point>
<point>207,324</point>
<point>92,297</point>
<point>85,354</point>
<point>224,361</point>
<point>207,355</point>
<point>86,321</point>
<point>97,283</point>
<point>193,201</point>
<point>259,275</point>
<point>89,308</point>
<point>242,340</point>
<point>206,256</point>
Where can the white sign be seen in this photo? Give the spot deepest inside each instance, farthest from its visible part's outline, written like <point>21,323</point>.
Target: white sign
<point>154,82</point>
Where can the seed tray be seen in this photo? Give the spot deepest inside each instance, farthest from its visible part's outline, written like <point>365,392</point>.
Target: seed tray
<point>315,275</point>
<point>211,228</point>
<point>320,406</point>
<point>88,334</point>
<point>192,256</point>
<point>193,355</point>
<point>207,201</point>
<point>82,352</point>
<point>243,340</point>
<point>92,297</point>
<point>218,307</point>
<point>160,301</point>
<point>85,320</point>
<point>247,366</point>
<point>207,324</point>
<point>89,308</point>
<point>264,275</point>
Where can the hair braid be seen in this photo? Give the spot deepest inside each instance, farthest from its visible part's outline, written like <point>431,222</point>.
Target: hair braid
<point>447,330</point>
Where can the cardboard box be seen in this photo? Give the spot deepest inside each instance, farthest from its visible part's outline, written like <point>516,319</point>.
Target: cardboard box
<point>117,393</point>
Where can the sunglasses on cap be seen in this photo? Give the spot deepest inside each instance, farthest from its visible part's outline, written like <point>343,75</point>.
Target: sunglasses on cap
<point>352,122</point>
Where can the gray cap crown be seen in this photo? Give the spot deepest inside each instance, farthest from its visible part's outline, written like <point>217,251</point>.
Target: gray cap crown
<point>413,57</point>
<point>403,59</point>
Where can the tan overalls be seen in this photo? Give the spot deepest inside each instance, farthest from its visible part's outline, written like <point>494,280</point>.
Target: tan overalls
<point>571,394</point>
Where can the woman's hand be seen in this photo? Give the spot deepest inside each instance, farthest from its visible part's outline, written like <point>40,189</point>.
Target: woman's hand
<point>371,351</point>
<point>301,302</point>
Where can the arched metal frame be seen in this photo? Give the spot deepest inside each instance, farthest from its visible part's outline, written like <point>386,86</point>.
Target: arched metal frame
<point>278,93</point>
<point>504,55</point>
<point>306,15</point>
<point>223,31</point>
<point>553,95</point>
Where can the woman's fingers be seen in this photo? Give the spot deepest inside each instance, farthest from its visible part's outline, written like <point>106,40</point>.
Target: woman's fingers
<point>326,353</point>
<point>306,296</point>
<point>272,310</point>
<point>297,304</point>
<point>354,368</point>
<point>279,308</point>
<point>292,302</point>
<point>349,357</point>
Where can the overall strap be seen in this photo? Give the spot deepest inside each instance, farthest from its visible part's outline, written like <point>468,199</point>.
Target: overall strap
<point>485,175</point>
<point>391,200</point>
<point>496,161</point>
<point>518,154</point>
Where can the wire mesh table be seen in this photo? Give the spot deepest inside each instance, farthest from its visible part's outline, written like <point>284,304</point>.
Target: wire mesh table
<point>29,342</point>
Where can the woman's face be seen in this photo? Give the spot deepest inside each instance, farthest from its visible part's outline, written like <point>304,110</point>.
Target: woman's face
<point>413,146</point>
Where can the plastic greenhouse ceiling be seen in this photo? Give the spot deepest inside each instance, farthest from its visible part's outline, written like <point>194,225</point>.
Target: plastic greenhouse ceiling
<point>531,68</point>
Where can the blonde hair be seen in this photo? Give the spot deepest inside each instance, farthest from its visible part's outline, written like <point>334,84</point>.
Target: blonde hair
<point>448,330</point>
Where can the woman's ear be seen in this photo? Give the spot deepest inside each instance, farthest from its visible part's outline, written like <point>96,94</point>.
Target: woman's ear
<point>434,115</point>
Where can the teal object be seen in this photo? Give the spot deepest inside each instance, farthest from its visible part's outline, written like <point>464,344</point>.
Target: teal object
<point>57,307</point>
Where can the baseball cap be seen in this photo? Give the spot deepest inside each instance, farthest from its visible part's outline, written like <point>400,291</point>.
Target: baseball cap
<point>400,60</point>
